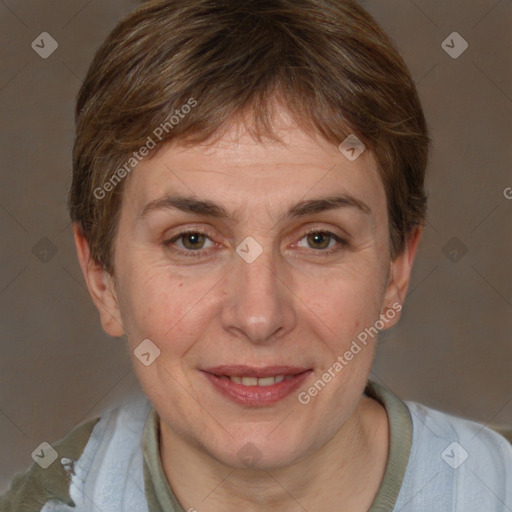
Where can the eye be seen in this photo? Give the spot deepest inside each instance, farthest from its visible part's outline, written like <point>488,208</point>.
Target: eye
<point>191,242</point>
<point>194,243</point>
<point>323,241</point>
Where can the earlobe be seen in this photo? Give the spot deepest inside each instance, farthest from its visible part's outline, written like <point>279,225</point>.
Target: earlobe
<point>400,273</point>
<point>100,285</point>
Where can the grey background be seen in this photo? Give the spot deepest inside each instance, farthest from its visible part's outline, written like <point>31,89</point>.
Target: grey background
<point>451,351</point>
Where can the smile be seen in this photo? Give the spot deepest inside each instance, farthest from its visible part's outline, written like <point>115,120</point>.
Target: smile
<point>257,381</point>
<point>256,387</point>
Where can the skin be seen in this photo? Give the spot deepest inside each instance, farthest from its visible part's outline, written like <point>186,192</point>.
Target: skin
<point>294,305</point>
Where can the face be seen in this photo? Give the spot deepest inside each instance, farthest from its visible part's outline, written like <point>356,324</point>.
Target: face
<point>231,261</point>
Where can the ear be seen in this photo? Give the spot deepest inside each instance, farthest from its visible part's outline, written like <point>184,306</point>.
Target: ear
<point>100,285</point>
<point>399,277</point>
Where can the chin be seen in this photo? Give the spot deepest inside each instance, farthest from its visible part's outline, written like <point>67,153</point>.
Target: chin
<point>260,451</point>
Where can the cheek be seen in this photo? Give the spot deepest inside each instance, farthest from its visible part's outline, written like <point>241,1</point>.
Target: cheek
<point>151,304</point>
<point>350,316</point>
<point>350,311</point>
<point>165,308</point>
<point>348,299</point>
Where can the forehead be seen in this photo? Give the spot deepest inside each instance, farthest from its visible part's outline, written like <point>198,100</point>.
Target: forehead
<point>237,170</point>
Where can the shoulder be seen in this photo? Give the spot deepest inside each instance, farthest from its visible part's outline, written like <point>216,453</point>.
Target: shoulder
<point>93,452</point>
<point>471,440</point>
<point>31,490</point>
<point>457,461</point>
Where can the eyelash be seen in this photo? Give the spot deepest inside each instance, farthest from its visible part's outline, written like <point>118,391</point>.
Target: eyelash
<point>342,243</point>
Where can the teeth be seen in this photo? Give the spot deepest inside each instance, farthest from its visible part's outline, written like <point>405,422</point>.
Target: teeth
<point>262,381</point>
<point>249,381</point>
<point>266,381</point>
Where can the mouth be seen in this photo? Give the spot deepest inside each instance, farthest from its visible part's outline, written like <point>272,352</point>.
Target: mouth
<point>256,386</point>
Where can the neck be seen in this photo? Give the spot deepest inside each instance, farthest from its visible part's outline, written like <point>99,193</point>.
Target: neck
<point>343,475</point>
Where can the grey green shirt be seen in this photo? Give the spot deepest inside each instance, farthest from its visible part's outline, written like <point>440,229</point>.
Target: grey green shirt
<point>436,462</point>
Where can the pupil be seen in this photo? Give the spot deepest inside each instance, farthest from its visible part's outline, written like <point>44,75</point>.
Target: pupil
<point>318,237</point>
<point>194,238</point>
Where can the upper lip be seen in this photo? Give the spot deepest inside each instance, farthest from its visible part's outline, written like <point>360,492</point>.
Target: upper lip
<point>252,371</point>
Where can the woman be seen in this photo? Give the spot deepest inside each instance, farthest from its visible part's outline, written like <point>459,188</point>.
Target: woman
<point>248,198</point>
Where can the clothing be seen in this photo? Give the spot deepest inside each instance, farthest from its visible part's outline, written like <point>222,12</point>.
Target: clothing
<point>437,462</point>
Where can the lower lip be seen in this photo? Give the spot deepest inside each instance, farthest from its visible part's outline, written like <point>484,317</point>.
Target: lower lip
<point>257,395</point>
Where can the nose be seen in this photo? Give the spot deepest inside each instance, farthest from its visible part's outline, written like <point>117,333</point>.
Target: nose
<point>259,302</point>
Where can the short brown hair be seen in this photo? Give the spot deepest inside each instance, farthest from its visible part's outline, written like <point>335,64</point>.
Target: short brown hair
<point>327,61</point>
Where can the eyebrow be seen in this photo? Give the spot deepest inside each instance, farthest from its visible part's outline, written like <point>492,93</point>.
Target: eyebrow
<point>212,209</point>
